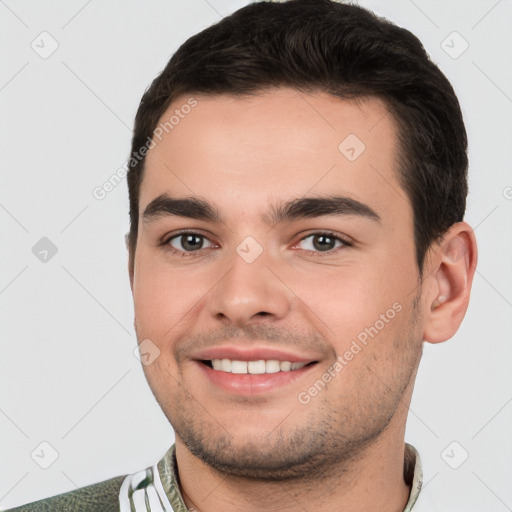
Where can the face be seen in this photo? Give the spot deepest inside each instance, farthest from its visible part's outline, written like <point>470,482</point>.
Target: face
<point>275,272</point>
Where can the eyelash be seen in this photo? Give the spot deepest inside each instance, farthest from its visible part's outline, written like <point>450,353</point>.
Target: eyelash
<point>191,254</point>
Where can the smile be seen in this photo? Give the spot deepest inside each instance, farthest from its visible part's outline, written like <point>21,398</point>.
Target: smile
<point>258,367</point>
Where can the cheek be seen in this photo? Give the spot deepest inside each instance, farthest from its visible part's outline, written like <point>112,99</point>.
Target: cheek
<point>167,299</point>
<point>160,298</point>
<point>357,302</point>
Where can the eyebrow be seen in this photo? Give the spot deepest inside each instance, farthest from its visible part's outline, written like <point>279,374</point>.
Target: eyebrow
<point>301,208</point>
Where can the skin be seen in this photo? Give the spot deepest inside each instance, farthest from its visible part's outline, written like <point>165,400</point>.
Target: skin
<point>344,449</point>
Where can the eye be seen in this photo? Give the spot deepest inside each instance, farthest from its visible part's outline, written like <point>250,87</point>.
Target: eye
<point>322,242</point>
<point>187,243</point>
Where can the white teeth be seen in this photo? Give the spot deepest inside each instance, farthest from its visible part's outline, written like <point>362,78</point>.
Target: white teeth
<point>285,366</point>
<point>255,367</point>
<point>238,366</point>
<point>272,366</point>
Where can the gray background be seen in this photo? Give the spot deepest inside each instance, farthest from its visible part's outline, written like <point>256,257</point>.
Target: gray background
<point>68,373</point>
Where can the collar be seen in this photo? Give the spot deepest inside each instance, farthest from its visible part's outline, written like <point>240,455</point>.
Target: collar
<point>413,474</point>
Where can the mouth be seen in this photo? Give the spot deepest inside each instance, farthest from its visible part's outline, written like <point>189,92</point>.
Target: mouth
<point>242,370</point>
<point>256,367</point>
<point>255,377</point>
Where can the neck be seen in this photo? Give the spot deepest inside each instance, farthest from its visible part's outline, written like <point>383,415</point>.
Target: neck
<point>372,480</point>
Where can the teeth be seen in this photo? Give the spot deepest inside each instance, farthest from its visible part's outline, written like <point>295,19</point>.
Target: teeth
<point>272,366</point>
<point>285,366</point>
<point>238,366</point>
<point>255,367</point>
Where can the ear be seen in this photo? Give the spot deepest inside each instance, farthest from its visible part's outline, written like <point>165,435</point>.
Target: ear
<point>452,265</point>
<point>130,259</point>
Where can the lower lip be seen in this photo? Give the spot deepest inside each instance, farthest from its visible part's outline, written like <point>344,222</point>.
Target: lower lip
<point>250,384</point>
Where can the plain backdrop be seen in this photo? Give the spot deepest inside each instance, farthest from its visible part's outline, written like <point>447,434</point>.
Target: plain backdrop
<point>69,376</point>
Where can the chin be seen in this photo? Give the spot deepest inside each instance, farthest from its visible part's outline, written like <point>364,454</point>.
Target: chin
<point>303,452</point>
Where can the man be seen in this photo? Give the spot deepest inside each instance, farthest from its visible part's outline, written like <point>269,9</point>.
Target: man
<point>297,192</point>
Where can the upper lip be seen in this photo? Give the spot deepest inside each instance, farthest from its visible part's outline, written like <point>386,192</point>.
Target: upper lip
<point>238,353</point>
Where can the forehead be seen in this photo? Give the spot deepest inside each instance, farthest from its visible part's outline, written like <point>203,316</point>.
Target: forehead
<point>243,152</point>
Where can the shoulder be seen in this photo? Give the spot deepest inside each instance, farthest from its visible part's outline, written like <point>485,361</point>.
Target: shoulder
<point>99,497</point>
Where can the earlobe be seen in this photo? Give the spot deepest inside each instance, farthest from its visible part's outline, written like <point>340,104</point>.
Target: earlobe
<point>453,265</point>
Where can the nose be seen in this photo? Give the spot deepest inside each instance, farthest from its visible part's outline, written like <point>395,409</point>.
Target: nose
<point>249,292</point>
